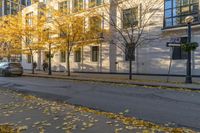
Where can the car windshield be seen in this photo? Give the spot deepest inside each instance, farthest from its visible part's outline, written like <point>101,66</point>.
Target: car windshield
<point>15,65</point>
<point>2,64</point>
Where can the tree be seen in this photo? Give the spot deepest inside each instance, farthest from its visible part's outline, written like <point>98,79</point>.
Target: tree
<point>49,42</point>
<point>9,45</point>
<point>128,22</point>
<point>72,31</point>
<point>23,31</point>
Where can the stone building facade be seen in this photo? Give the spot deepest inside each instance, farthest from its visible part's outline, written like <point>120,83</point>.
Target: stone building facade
<point>152,57</point>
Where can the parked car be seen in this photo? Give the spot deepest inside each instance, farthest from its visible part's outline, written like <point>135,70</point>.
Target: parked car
<point>11,68</point>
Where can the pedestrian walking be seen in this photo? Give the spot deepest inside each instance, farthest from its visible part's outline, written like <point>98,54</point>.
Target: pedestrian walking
<point>45,65</point>
<point>34,65</point>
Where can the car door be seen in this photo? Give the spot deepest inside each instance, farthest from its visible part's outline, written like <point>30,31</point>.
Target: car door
<point>1,67</point>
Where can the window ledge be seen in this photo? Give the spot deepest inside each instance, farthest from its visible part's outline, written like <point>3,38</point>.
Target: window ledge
<point>180,28</point>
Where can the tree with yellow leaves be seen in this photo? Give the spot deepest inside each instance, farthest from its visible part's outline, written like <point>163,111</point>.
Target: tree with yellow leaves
<point>8,44</point>
<point>72,31</point>
<point>22,33</point>
<point>33,34</point>
<point>50,42</point>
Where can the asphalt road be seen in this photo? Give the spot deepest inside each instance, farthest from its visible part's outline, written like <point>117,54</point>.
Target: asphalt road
<point>156,105</point>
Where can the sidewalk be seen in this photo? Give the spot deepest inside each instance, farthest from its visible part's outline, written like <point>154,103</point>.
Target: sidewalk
<point>140,80</point>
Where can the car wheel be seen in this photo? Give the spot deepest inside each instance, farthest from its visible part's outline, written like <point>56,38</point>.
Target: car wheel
<point>20,74</point>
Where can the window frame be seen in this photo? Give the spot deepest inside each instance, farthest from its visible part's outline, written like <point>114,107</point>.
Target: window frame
<point>96,53</point>
<point>79,6</point>
<point>64,6</point>
<point>28,59</point>
<point>96,3</point>
<point>173,19</point>
<point>29,39</point>
<point>29,19</point>
<point>134,11</point>
<point>62,56</point>
<point>95,23</point>
<point>182,55</point>
<point>77,55</point>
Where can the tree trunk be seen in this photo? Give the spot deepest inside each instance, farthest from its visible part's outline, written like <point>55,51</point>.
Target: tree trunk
<point>68,64</point>
<point>8,58</point>
<point>33,70</point>
<point>130,69</point>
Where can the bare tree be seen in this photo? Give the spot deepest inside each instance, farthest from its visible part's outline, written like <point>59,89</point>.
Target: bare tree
<point>129,21</point>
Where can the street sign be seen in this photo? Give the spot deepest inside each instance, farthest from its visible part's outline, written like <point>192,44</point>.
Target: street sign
<point>174,42</point>
<point>173,45</point>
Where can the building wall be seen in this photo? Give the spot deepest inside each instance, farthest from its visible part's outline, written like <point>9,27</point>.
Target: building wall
<point>37,55</point>
<point>152,57</point>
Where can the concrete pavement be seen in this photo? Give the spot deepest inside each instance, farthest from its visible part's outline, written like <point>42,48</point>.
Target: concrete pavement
<point>141,80</point>
<point>178,108</point>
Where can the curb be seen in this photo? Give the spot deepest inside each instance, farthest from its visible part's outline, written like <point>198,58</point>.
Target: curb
<point>159,85</point>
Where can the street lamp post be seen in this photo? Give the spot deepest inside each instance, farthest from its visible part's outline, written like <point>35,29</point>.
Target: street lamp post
<point>49,51</point>
<point>189,21</point>
<point>50,72</point>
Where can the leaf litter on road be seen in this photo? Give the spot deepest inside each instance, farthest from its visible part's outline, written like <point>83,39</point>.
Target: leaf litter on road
<point>33,114</point>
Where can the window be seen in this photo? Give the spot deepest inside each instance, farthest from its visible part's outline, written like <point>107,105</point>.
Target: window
<point>130,52</point>
<point>62,34</point>
<point>28,2</point>
<point>93,3</point>
<point>7,8</point>
<point>15,65</point>
<point>77,5</point>
<point>95,53</point>
<point>29,19</point>
<point>177,10</point>
<point>29,58</point>
<point>29,40</point>
<point>64,6</point>
<point>14,8</point>
<point>62,56</point>
<point>1,13</point>
<point>95,23</point>
<point>78,26</point>
<point>23,2</point>
<point>130,17</point>
<point>178,53</point>
<point>77,55</point>
<point>49,17</point>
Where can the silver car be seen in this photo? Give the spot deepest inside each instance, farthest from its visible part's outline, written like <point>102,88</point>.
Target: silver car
<point>11,68</point>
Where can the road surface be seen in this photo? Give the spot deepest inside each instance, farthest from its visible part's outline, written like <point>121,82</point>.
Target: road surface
<point>152,104</point>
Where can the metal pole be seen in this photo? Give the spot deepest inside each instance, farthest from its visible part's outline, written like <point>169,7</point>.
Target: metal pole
<point>50,73</point>
<point>188,76</point>
<point>130,69</point>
